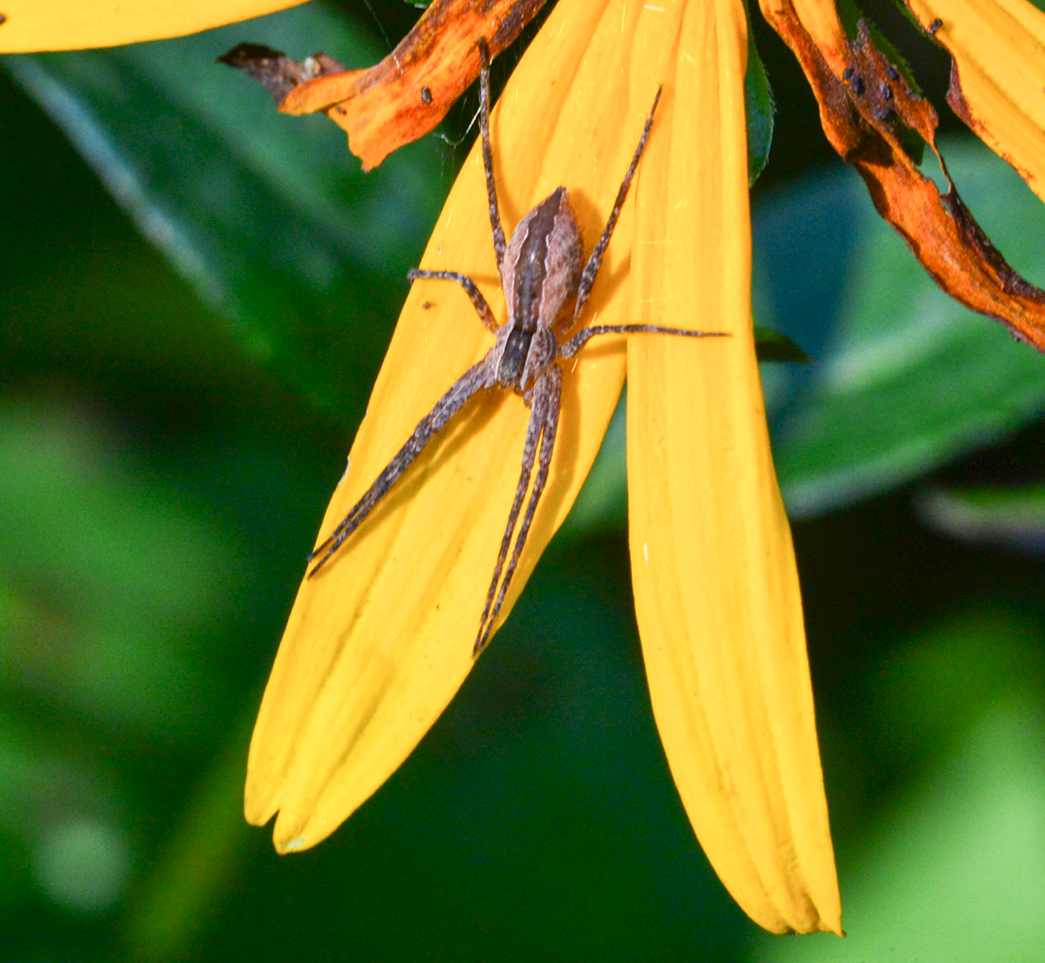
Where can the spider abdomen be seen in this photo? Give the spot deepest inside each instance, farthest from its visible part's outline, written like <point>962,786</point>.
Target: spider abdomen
<point>543,264</point>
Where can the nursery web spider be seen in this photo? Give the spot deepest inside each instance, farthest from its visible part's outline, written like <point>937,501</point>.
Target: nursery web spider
<point>546,289</point>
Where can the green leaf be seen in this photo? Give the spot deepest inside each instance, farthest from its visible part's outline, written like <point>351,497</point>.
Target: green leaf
<point>951,869</point>
<point>904,378</point>
<point>269,217</point>
<point>760,109</point>
<point>93,617</point>
<point>602,504</point>
<point>774,346</point>
<point>1006,517</point>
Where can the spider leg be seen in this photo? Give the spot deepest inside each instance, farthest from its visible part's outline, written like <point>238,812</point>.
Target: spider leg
<point>480,303</point>
<point>445,408</point>
<point>569,348</point>
<point>533,438</point>
<point>484,129</point>
<point>544,422</point>
<point>595,261</point>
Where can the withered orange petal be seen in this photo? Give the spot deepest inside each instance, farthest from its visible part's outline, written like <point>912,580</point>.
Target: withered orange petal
<point>409,92</point>
<point>862,109</point>
<point>381,639</point>
<point>716,585</point>
<point>32,25</point>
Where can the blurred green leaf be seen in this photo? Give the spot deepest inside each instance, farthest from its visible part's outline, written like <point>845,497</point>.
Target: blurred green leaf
<point>62,818</point>
<point>984,657</point>
<point>904,378</point>
<point>774,346</point>
<point>269,217</point>
<point>108,582</point>
<point>958,875</point>
<point>602,504</point>
<point>196,864</point>
<point>953,868</point>
<point>759,107</point>
<point>1006,517</point>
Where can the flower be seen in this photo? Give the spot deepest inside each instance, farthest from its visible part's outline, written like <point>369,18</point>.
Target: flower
<point>378,644</point>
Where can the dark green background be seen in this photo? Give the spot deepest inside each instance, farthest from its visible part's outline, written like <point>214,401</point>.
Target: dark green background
<point>169,437</point>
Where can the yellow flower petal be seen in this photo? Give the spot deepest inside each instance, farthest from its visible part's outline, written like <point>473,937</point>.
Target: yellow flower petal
<point>31,25</point>
<point>379,642</point>
<point>716,586</point>
<point>999,72</point>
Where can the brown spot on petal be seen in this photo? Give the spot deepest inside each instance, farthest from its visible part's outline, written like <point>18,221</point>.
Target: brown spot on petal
<point>867,127</point>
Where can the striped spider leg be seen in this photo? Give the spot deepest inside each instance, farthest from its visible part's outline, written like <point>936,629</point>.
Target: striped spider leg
<point>546,285</point>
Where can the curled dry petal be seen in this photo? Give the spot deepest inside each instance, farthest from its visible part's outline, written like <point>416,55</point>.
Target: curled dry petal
<point>409,92</point>
<point>381,639</point>
<point>863,109</point>
<point>277,72</point>
<point>31,25</point>
<point>716,587</point>
<point>997,74</point>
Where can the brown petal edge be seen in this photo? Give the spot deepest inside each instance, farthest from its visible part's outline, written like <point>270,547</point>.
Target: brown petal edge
<point>864,115</point>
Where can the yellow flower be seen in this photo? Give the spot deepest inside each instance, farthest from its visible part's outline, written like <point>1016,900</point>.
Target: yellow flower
<point>380,641</point>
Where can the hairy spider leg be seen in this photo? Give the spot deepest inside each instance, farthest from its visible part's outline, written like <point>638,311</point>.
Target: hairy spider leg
<point>569,348</point>
<point>484,131</point>
<point>534,430</point>
<point>595,261</point>
<point>481,305</point>
<point>450,404</point>
<point>544,422</point>
<point>591,269</point>
<point>547,403</point>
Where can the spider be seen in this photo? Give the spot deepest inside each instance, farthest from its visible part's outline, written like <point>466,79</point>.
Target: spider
<point>546,289</point>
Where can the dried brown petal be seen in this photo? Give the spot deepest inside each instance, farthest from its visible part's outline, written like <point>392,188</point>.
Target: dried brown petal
<point>278,72</point>
<point>865,113</point>
<point>404,96</point>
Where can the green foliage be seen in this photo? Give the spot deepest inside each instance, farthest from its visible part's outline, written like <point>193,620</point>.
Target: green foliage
<point>760,109</point>
<point>953,870</point>
<point>269,217</point>
<point>74,519</point>
<point>1010,517</point>
<point>904,379</point>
